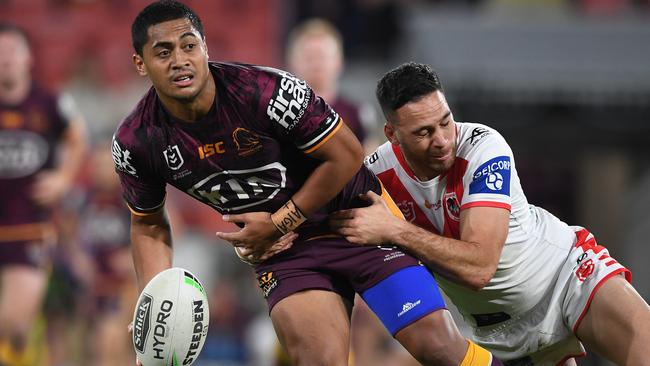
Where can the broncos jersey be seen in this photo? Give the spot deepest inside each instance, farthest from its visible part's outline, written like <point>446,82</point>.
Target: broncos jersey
<point>483,175</point>
<point>251,152</point>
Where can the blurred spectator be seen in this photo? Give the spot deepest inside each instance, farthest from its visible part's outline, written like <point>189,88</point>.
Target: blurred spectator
<point>371,28</point>
<point>34,124</point>
<point>315,54</point>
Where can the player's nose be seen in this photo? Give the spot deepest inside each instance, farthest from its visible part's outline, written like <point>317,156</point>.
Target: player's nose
<point>439,140</point>
<point>179,59</point>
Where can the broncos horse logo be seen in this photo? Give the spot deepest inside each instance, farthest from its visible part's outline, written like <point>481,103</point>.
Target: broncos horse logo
<point>247,142</point>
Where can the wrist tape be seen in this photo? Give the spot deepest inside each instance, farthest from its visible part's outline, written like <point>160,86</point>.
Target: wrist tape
<point>288,217</point>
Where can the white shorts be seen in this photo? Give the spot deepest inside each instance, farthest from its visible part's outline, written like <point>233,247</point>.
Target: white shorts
<point>545,335</point>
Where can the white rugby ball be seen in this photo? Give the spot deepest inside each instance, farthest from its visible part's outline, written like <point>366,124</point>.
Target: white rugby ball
<point>171,319</point>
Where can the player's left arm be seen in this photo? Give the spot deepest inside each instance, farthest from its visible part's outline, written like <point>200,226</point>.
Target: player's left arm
<point>51,185</point>
<point>470,261</point>
<point>316,130</point>
<point>341,155</point>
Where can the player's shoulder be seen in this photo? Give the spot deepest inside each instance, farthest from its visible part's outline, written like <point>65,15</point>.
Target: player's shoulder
<point>476,138</point>
<point>244,74</point>
<point>259,86</point>
<point>136,126</point>
<point>382,159</point>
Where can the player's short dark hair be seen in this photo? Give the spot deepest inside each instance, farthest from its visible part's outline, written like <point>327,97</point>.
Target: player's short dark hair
<point>8,27</point>
<point>159,12</point>
<point>407,83</point>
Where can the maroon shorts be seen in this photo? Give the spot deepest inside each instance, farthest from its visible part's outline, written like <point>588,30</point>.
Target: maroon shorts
<point>332,264</point>
<point>31,253</point>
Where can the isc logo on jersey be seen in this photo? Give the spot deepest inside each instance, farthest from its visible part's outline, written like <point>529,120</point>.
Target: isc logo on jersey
<point>289,101</point>
<point>492,176</point>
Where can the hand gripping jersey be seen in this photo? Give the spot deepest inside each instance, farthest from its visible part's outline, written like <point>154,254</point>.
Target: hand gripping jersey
<point>249,153</point>
<point>538,250</point>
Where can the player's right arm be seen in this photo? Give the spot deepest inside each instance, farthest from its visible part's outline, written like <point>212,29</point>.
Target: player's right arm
<point>144,193</point>
<point>151,242</point>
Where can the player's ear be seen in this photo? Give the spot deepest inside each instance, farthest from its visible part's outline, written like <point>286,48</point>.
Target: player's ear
<point>389,131</point>
<point>138,61</point>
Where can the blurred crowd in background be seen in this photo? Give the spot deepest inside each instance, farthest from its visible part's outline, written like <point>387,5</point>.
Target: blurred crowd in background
<point>566,82</point>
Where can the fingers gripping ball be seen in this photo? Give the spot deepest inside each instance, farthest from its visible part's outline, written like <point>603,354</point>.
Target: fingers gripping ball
<point>171,319</point>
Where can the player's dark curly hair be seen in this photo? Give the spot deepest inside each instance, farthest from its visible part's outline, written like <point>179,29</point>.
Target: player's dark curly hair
<point>404,84</point>
<point>8,27</point>
<point>159,12</point>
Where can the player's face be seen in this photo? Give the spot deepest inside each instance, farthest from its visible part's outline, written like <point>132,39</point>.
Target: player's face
<point>15,58</point>
<point>175,58</point>
<point>317,60</point>
<point>426,133</point>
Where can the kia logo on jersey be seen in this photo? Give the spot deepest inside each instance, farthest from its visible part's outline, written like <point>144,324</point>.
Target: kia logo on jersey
<point>233,190</point>
<point>492,176</point>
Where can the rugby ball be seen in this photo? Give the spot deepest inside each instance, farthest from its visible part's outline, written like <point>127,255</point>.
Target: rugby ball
<point>171,319</point>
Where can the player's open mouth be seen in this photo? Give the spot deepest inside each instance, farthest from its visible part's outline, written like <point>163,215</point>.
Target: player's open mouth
<point>183,80</point>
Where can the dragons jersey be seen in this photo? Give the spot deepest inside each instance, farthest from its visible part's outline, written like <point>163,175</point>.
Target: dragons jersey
<point>484,174</point>
<point>251,152</point>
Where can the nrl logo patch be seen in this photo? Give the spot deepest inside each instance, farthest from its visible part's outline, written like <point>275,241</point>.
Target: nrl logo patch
<point>173,157</point>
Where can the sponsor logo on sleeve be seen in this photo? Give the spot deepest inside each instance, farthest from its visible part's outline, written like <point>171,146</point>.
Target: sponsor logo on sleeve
<point>371,159</point>
<point>122,159</point>
<point>289,101</point>
<point>173,157</point>
<point>492,177</point>
<point>477,134</point>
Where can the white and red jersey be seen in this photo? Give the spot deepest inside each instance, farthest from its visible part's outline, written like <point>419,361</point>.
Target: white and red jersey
<point>484,174</point>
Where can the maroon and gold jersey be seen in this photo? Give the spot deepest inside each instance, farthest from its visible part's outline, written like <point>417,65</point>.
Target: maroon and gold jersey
<point>29,133</point>
<point>251,152</point>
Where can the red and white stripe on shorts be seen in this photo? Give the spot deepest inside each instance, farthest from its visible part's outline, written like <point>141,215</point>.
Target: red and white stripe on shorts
<point>593,266</point>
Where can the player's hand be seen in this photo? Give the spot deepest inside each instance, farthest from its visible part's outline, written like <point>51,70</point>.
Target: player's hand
<point>258,235</point>
<point>49,187</point>
<point>285,242</point>
<point>130,330</point>
<point>372,225</point>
